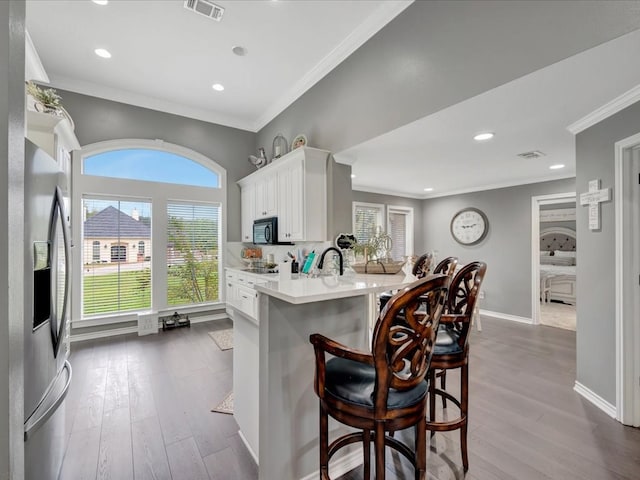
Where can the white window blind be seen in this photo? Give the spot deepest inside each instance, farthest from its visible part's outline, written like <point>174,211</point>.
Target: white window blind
<point>193,246</point>
<point>400,228</point>
<point>115,277</point>
<point>366,220</point>
<point>398,232</point>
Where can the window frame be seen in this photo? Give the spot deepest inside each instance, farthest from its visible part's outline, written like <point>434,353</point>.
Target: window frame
<point>381,214</point>
<point>161,194</point>
<point>409,225</point>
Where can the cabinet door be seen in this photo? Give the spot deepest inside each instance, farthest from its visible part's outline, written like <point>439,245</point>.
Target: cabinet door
<point>247,212</point>
<point>296,202</point>
<point>291,202</point>
<point>231,291</point>
<point>267,196</point>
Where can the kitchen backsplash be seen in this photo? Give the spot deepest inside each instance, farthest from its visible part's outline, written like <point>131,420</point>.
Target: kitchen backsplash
<point>279,252</point>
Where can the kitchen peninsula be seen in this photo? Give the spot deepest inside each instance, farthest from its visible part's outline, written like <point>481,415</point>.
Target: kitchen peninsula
<point>275,405</point>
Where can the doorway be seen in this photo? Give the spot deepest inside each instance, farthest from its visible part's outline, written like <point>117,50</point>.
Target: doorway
<point>627,204</point>
<point>539,203</point>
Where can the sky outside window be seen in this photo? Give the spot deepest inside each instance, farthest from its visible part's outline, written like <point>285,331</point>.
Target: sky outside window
<point>151,166</point>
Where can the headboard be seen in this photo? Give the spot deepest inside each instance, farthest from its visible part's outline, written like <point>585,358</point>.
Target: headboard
<point>558,238</point>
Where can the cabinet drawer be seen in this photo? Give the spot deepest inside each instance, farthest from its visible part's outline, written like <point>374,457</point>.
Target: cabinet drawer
<point>247,301</point>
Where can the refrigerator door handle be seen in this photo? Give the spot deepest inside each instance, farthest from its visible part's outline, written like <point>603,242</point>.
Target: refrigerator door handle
<point>31,426</point>
<point>58,320</point>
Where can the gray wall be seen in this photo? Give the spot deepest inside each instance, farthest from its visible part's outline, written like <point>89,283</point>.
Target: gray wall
<point>418,225</point>
<point>436,54</point>
<point>12,16</point>
<point>595,342</point>
<point>507,246</point>
<point>99,120</point>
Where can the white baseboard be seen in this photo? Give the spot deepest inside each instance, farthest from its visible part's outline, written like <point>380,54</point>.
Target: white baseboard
<point>339,467</point>
<point>246,444</point>
<point>80,337</point>
<point>596,399</point>
<point>506,316</point>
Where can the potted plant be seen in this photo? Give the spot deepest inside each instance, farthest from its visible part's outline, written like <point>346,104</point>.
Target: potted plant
<point>46,100</point>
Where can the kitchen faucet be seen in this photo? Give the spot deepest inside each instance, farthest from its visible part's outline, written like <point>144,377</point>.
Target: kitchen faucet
<point>321,261</point>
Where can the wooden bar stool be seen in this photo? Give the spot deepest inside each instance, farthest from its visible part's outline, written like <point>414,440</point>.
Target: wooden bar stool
<point>446,266</point>
<point>452,351</point>
<point>386,390</point>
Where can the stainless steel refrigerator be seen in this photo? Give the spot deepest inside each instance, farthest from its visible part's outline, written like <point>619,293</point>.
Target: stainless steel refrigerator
<point>47,372</point>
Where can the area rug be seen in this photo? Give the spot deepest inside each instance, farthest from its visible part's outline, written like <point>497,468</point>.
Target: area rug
<point>223,338</point>
<point>225,406</point>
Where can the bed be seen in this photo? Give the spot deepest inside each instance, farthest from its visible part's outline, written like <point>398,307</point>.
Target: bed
<point>558,265</point>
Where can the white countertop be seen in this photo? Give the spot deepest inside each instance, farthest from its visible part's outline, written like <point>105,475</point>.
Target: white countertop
<point>306,290</point>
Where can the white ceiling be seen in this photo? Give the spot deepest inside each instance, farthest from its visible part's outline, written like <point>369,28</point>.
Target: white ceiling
<point>530,113</point>
<point>166,58</point>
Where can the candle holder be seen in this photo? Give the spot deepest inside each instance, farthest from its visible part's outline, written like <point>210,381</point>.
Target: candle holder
<point>280,146</point>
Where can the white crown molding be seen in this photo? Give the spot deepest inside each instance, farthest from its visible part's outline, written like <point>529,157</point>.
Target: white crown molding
<point>367,29</point>
<point>382,191</point>
<point>479,188</point>
<point>596,399</point>
<point>33,68</point>
<point>614,106</point>
<point>122,96</point>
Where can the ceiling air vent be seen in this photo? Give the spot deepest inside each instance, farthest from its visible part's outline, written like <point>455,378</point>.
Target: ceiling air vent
<point>532,154</point>
<point>206,8</point>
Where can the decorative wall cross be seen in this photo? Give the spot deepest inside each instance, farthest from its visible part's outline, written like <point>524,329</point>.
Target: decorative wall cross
<point>594,197</point>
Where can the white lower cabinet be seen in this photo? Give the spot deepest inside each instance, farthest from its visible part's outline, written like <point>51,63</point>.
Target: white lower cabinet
<point>240,293</point>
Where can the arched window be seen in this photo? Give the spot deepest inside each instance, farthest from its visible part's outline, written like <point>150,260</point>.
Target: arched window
<point>124,190</point>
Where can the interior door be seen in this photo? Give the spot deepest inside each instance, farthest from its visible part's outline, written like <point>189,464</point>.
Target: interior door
<point>59,241</point>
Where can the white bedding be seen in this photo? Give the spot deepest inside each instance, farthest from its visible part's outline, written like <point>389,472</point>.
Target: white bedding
<point>546,270</point>
<point>558,282</point>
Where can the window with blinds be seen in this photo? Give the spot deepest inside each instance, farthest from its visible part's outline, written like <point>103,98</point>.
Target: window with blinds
<point>367,218</point>
<point>116,277</point>
<point>400,228</point>
<point>193,245</point>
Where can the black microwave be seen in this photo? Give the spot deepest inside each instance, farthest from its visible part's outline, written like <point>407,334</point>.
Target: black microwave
<point>265,231</point>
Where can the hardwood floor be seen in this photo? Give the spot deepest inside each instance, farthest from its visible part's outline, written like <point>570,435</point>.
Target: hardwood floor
<point>139,408</point>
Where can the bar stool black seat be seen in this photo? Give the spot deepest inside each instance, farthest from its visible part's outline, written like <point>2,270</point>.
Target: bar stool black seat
<point>386,390</point>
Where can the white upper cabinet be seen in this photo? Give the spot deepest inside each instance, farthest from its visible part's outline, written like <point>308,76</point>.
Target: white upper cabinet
<point>294,189</point>
<point>291,201</point>
<point>266,197</point>
<point>247,211</point>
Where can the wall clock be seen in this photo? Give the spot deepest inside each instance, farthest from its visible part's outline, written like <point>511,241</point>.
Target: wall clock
<point>469,226</point>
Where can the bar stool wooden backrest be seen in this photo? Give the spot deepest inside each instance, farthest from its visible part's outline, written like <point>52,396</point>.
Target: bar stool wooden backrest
<point>447,266</point>
<point>452,351</point>
<point>385,390</point>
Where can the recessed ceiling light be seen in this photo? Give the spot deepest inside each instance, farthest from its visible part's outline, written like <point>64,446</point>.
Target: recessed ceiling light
<point>557,166</point>
<point>483,136</point>
<point>100,2</point>
<point>217,87</point>
<point>239,50</point>
<point>101,52</point>
<point>428,189</point>
<point>353,175</point>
